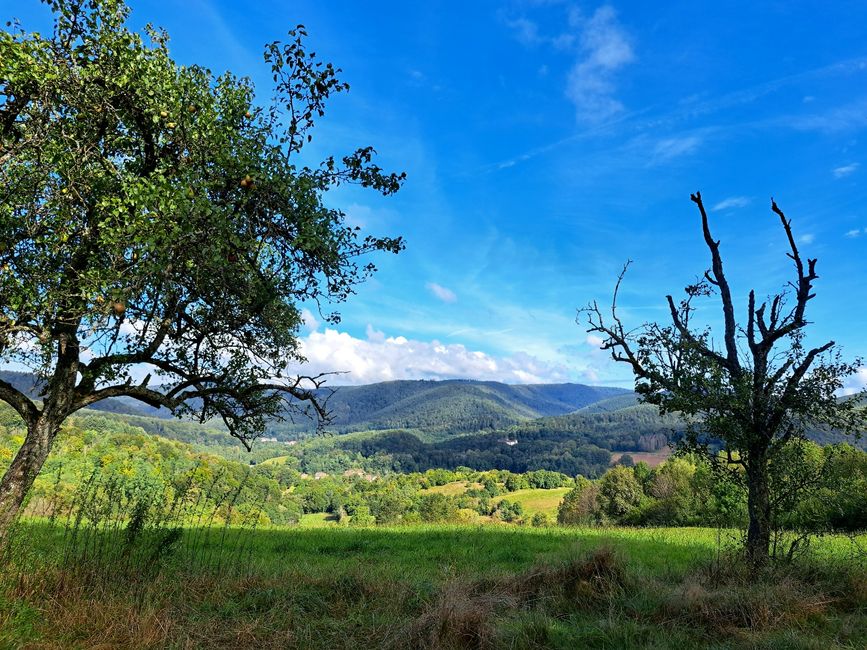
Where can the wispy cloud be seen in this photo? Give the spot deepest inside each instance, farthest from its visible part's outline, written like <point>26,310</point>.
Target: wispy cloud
<point>601,48</point>
<point>851,117</point>
<point>732,203</point>
<point>670,148</point>
<point>647,119</point>
<point>855,232</point>
<point>441,292</point>
<point>525,30</point>
<point>845,170</point>
<point>605,48</point>
<point>807,238</point>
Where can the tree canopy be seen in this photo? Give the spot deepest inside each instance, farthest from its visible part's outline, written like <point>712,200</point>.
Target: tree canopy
<point>153,215</point>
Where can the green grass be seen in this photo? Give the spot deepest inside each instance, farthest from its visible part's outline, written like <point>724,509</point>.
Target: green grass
<point>537,500</point>
<point>436,587</point>
<point>317,520</point>
<point>452,489</point>
<point>276,460</point>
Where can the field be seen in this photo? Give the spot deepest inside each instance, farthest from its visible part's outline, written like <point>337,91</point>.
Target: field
<point>652,458</point>
<point>432,587</point>
<point>537,500</point>
<point>452,489</point>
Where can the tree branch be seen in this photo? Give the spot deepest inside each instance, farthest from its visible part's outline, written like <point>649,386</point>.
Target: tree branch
<point>721,282</point>
<point>792,384</point>
<point>616,335</point>
<point>22,404</point>
<point>795,319</point>
<point>702,349</point>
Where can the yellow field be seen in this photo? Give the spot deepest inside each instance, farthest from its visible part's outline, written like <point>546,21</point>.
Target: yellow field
<point>537,500</point>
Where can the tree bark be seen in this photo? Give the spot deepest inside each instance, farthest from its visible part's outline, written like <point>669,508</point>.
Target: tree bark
<point>759,508</point>
<point>18,479</point>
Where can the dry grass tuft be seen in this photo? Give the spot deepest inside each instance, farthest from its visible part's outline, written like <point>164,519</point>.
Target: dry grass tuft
<point>736,600</point>
<point>465,615</point>
<point>461,616</point>
<point>584,581</point>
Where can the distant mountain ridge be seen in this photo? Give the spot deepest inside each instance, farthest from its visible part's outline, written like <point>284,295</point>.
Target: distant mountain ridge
<point>456,405</point>
<point>448,406</point>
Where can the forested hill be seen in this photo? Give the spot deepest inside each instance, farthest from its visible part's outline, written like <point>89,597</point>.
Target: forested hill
<point>577,443</point>
<point>449,406</point>
<point>456,406</point>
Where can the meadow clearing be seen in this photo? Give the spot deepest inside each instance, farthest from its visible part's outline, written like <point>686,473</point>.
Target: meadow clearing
<point>428,586</point>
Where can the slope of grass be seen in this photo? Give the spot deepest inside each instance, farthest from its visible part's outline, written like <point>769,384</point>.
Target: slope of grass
<point>536,500</point>
<point>452,489</point>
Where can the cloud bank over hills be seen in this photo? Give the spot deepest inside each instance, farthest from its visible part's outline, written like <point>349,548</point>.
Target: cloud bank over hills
<point>379,357</point>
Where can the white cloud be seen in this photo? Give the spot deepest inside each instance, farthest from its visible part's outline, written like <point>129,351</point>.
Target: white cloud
<point>385,358</point>
<point>855,232</point>
<point>595,341</point>
<point>731,203</point>
<point>845,170</point>
<point>673,147</point>
<point>808,238</point>
<point>855,383</point>
<point>605,48</point>
<point>601,48</point>
<point>851,117</point>
<point>309,320</point>
<point>441,292</point>
<point>358,215</point>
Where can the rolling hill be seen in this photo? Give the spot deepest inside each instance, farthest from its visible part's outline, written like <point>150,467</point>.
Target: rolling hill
<point>456,406</point>
<point>447,407</point>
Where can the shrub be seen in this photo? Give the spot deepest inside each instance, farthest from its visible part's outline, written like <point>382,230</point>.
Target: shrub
<point>619,491</point>
<point>580,506</point>
<point>540,520</point>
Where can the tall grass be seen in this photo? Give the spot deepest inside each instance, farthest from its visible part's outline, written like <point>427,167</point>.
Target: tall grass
<point>127,530</point>
<point>149,564</point>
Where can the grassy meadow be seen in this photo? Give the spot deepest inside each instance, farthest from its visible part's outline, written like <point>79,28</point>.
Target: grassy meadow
<point>537,500</point>
<point>425,586</point>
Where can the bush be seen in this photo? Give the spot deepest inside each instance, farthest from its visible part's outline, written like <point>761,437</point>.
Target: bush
<point>580,506</point>
<point>437,508</point>
<point>540,520</point>
<point>508,511</point>
<point>619,491</point>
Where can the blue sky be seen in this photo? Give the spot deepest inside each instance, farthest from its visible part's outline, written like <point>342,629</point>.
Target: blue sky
<point>547,142</point>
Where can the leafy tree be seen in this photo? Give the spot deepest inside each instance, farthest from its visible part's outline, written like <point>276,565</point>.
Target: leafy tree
<point>540,520</point>
<point>150,213</point>
<point>437,508</point>
<point>580,505</point>
<point>362,517</point>
<point>508,511</point>
<point>749,397</point>
<point>619,491</point>
<point>672,486</point>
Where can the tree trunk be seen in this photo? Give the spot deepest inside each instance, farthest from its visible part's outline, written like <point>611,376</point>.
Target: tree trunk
<point>759,508</point>
<point>17,481</point>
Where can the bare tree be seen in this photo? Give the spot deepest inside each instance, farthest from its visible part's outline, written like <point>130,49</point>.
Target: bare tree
<point>749,398</point>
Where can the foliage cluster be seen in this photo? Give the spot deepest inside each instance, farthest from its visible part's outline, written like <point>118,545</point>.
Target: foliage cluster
<point>816,490</point>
